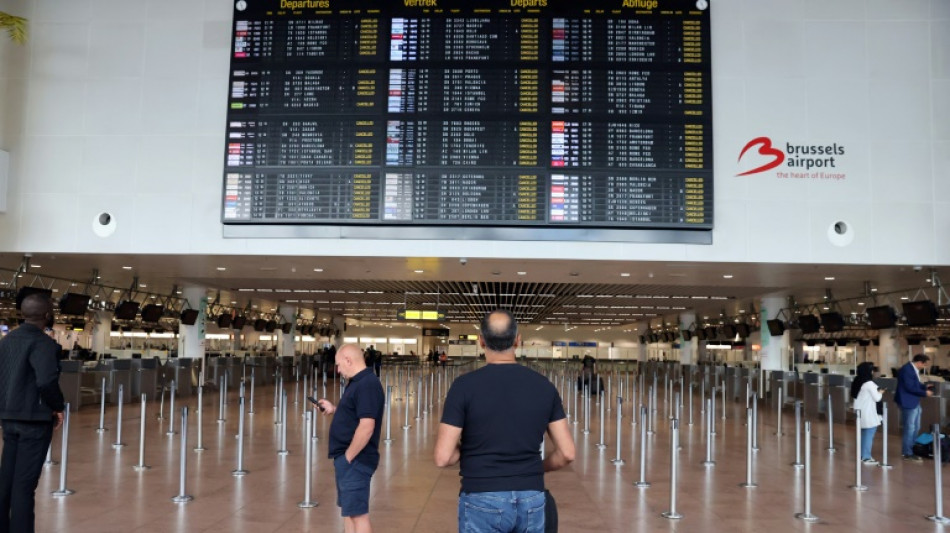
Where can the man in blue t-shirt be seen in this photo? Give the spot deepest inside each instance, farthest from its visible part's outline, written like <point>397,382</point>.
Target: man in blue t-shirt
<point>493,421</point>
<point>354,437</point>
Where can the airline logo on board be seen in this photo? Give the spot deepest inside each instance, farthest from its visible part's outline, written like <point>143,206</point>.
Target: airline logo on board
<point>811,161</point>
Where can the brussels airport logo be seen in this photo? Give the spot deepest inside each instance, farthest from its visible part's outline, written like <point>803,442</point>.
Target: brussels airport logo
<point>796,161</point>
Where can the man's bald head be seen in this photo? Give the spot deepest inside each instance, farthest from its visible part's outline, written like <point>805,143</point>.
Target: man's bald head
<point>350,360</point>
<point>37,307</point>
<point>499,331</point>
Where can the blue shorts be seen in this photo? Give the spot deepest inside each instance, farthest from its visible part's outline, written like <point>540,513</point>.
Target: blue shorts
<point>352,486</point>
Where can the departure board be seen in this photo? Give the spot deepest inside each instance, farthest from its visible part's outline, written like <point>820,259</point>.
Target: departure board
<point>481,113</point>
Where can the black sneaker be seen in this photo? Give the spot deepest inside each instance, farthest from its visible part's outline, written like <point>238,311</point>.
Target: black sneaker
<point>914,458</point>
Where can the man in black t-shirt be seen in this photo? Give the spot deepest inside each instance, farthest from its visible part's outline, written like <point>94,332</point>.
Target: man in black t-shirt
<point>354,437</point>
<point>493,421</point>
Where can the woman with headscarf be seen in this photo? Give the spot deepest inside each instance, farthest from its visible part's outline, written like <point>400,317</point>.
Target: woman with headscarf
<point>866,394</point>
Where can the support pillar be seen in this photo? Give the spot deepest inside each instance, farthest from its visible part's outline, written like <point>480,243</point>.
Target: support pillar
<point>892,352</point>
<point>101,331</point>
<point>191,339</point>
<point>688,348</point>
<point>286,345</point>
<point>774,349</point>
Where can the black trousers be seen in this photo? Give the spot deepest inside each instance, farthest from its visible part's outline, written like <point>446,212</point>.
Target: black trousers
<point>24,450</point>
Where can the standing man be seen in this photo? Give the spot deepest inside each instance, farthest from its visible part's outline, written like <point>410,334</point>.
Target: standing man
<point>354,437</point>
<point>909,392</point>
<point>31,407</point>
<point>494,420</point>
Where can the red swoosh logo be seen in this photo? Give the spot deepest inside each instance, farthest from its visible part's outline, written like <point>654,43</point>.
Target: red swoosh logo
<point>766,149</point>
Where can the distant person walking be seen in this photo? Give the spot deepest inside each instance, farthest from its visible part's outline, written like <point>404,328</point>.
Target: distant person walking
<point>31,407</point>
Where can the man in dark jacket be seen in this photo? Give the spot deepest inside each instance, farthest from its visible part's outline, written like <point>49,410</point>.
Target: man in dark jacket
<point>31,407</point>
<point>909,392</point>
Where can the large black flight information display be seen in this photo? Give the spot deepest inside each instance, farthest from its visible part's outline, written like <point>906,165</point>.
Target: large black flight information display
<point>478,113</point>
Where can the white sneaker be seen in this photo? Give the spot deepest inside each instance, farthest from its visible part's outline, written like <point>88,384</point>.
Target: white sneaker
<point>870,461</point>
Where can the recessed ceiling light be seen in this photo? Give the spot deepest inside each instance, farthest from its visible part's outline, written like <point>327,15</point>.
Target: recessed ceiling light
<point>37,266</point>
<point>860,303</point>
<point>221,269</point>
<point>142,285</point>
<point>419,271</point>
<point>829,278</point>
<point>873,290</point>
<point>727,276</point>
<point>522,273</point>
<point>233,302</point>
<point>126,268</point>
<point>318,270</point>
<point>905,298</point>
<point>624,274</point>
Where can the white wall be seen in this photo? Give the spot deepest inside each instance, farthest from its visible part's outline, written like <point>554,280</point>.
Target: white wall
<point>119,106</point>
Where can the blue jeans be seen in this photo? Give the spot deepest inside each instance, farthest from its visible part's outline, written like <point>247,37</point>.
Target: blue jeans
<point>867,438</point>
<point>502,512</point>
<point>910,424</point>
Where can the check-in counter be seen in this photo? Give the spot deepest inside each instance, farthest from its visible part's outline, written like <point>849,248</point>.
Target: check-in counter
<point>286,367</point>
<point>814,397</point>
<point>218,367</point>
<point>70,382</point>
<point>180,370</point>
<point>121,377</point>
<point>235,366</point>
<point>145,378</point>
<point>787,381</point>
<point>732,383</point>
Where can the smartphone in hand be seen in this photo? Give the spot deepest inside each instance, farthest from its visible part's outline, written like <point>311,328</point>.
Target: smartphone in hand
<point>317,403</point>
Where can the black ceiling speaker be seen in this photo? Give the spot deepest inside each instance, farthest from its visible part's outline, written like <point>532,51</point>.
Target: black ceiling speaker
<point>920,313</point>
<point>809,323</point>
<point>238,323</point>
<point>270,326</point>
<point>224,321</point>
<point>743,330</point>
<point>189,317</point>
<point>152,313</point>
<point>832,322</point>
<point>260,324</point>
<point>287,328</point>
<point>126,310</point>
<point>73,303</point>
<point>776,327</point>
<point>729,331</point>
<point>882,317</point>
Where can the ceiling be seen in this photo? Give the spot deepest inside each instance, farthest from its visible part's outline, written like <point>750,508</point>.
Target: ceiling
<point>373,289</point>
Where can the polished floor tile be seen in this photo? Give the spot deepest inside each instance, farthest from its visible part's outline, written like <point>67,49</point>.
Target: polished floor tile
<point>409,494</point>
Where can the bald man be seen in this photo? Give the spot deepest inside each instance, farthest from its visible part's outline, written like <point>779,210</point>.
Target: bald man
<point>31,407</point>
<point>493,421</point>
<point>354,437</point>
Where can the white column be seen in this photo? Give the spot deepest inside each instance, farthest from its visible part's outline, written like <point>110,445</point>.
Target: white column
<point>286,345</point>
<point>773,348</point>
<point>101,331</point>
<point>892,353</point>
<point>339,322</point>
<point>191,339</point>
<point>687,348</point>
<point>643,345</point>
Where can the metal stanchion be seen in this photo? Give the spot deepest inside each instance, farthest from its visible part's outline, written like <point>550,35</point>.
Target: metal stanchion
<point>748,456</point>
<point>723,389</point>
<point>283,427</point>
<point>755,425</point>
<point>183,497</point>
<point>308,502</point>
<point>102,409</point>
<point>806,514</point>
<point>49,457</point>
<point>250,407</point>
<point>221,400</point>
<point>64,458</point>
<point>199,445</point>
<point>406,424</point>
<point>617,460</point>
<point>575,390</point>
<point>831,426</point>
<point>305,392</point>
<point>690,400</point>
<point>279,385</point>
<point>643,483</point>
<point>798,435</point>
<point>938,479</point>
<point>778,412</point>
<point>712,406</point>
<point>586,410</point>
<point>389,415</point>
<point>609,391</point>
<point>141,464</point>
<point>674,456</point>
<point>419,399</point>
<point>171,409</point>
<point>161,403</point>
<point>651,411</point>
<point>297,390</point>
<point>118,423</point>
<point>884,464</point>
<point>710,417</point>
<point>240,470</point>
<point>858,485</point>
<point>601,444</point>
<point>429,390</point>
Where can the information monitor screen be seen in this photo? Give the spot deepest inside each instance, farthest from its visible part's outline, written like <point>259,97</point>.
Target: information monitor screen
<point>474,113</point>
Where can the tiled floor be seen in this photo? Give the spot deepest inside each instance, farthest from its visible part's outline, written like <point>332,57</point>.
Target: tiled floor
<point>410,494</point>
